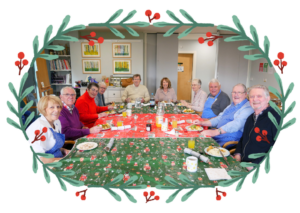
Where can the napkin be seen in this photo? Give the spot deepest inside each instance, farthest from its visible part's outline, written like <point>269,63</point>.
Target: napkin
<point>180,122</point>
<point>172,132</point>
<point>145,104</point>
<point>127,126</point>
<point>217,174</point>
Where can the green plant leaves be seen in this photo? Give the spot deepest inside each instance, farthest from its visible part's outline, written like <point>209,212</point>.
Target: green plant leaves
<point>66,38</point>
<point>115,195</point>
<point>237,23</point>
<point>289,123</point>
<point>172,16</point>
<point>34,164</point>
<point>45,155</point>
<point>67,172</point>
<point>129,16</point>
<point>289,90</point>
<point>26,92</point>
<point>235,38</point>
<point>186,32</point>
<point>240,184</point>
<point>13,91</point>
<point>131,31</point>
<point>171,181</point>
<point>116,32</point>
<point>35,45</point>
<point>161,24</point>
<point>29,118</point>
<point>76,27</point>
<point>56,164</point>
<point>186,180</point>
<point>172,197</point>
<point>255,176</point>
<point>47,34</point>
<point>223,27</point>
<point>267,46</point>
<point>114,16</point>
<point>253,57</point>
<point>273,105</point>
<point>48,57</point>
<point>11,108</point>
<point>267,164</point>
<point>170,31</point>
<point>73,182</point>
<point>26,107</point>
<point>246,48</point>
<point>46,174</point>
<point>227,183</point>
<point>246,164</point>
<point>14,124</point>
<point>165,187</point>
<point>236,173</point>
<point>290,109</point>
<point>273,119</point>
<point>62,184</point>
<point>130,181</point>
<point>187,195</point>
<point>257,155</point>
<point>275,92</point>
<point>254,34</point>
<point>115,180</point>
<point>129,196</point>
<point>23,80</point>
<point>187,16</point>
<point>64,24</point>
<point>140,24</point>
<point>55,47</point>
<point>278,79</point>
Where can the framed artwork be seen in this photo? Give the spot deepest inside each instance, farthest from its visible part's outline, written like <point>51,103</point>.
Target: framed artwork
<point>91,66</point>
<point>122,66</point>
<point>88,51</point>
<point>121,50</point>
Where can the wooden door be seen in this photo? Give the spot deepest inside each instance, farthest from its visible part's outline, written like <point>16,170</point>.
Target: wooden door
<point>43,77</point>
<point>184,82</point>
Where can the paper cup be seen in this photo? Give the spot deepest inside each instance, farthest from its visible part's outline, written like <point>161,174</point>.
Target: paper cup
<point>128,111</point>
<point>129,105</point>
<point>192,163</point>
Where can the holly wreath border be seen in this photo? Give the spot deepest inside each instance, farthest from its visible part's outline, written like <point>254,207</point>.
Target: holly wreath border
<point>241,35</point>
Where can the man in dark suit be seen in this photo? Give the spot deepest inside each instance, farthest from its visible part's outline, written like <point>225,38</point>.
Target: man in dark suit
<point>100,100</point>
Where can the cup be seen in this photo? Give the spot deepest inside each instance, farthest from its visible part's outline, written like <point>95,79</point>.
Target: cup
<point>121,106</point>
<point>174,123</point>
<point>124,114</point>
<point>191,143</point>
<point>119,123</point>
<point>128,111</point>
<point>192,163</point>
<point>129,105</point>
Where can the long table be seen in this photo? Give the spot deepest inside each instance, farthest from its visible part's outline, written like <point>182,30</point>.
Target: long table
<point>135,153</point>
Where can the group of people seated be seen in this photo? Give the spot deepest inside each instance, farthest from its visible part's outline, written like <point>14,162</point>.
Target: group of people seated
<point>238,121</point>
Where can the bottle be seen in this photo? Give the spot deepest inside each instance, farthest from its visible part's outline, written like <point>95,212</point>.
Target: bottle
<point>159,117</point>
<point>152,101</point>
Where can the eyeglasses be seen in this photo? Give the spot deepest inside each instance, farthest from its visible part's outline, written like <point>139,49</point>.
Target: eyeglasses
<point>234,93</point>
<point>70,95</point>
<point>102,87</point>
<point>94,90</point>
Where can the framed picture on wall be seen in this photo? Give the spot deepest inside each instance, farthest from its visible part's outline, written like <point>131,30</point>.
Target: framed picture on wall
<point>88,51</point>
<point>121,50</point>
<point>122,66</point>
<point>91,66</point>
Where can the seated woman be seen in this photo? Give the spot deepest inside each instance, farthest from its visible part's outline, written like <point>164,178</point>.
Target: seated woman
<point>45,133</point>
<point>199,97</point>
<point>165,92</point>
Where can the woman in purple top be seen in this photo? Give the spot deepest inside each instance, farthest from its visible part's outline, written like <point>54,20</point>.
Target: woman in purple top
<point>165,92</point>
<point>69,117</point>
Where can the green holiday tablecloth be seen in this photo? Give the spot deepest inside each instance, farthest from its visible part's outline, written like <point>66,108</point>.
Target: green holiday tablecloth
<point>151,159</point>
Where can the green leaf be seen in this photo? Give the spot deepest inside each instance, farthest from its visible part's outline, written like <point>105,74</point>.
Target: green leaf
<point>273,105</point>
<point>245,164</point>
<point>14,124</point>
<point>114,16</point>
<point>289,123</point>
<point>186,32</point>
<point>161,24</point>
<point>255,176</point>
<point>253,57</point>
<point>140,24</point>
<point>236,173</point>
<point>76,27</point>
<point>290,109</point>
<point>46,174</point>
<point>67,172</point>
<point>172,16</point>
<point>246,48</point>
<point>227,183</point>
<point>187,195</point>
<point>171,181</point>
<point>237,23</point>
<point>187,16</point>
<point>239,186</point>
<point>171,31</point>
<point>116,32</point>
<point>55,47</point>
<point>66,38</point>
<point>73,182</point>
<point>235,38</point>
<point>186,180</point>
<point>275,92</point>
<point>130,181</point>
<point>27,106</point>
<point>129,196</point>
<point>254,34</point>
<point>64,24</point>
<point>13,91</point>
<point>26,92</point>
<point>224,27</point>
<point>257,155</point>
<point>130,15</point>
<point>115,180</point>
<point>12,109</point>
<point>273,119</point>
<point>289,90</point>
<point>136,187</point>
<point>131,31</point>
<point>279,82</point>
<point>165,187</point>
<point>62,184</point>
<point>47,34</point>
<point>48,57</point>
<point>267,45</point>
<point>172,197</point>
<point>56,164</point>
<point>23,80</point>
<point>115,195</point>
<point>35,45</point>
<point>29,118</point>
<point>45,155</point>
<point>34,164</point>
<point>267,164</point>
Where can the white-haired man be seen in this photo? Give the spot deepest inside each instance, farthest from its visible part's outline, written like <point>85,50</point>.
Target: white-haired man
<point>69,117</point>
<point>216,101</point>
<point>99,99</point>
<point>259,130</point>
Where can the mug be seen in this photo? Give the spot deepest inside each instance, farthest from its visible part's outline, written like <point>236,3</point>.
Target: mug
<point>192,163</point>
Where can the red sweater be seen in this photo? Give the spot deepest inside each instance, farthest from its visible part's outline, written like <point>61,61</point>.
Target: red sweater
<point>88,110</point>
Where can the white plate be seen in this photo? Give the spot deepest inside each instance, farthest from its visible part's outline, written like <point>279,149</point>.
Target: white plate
<point>188,112</point>
<point>94,145</point>
<point>227,153</point>
<point>188,129</point>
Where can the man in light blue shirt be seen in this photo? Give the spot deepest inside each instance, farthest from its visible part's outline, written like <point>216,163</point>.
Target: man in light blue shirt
<point>230,123</point>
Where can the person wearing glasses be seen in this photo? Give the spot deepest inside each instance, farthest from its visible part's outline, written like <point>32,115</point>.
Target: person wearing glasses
<point>230,123</point>
<point>69,117</point>
<point>99,99</point>
<point>89,112</point>
<point>199,97</point>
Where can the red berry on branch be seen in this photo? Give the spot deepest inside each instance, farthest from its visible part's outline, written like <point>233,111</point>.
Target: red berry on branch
<point>37,132</point>
<point>25,62</point>
<point>284,63</point>
<point>77,194</point>
<point>156,16</point>
<point>145,194</point>
<point>264,132</point>
<point>201,40</point>
<point>208,34</point>
<point>91,43</point>
<point>219,197</point>
<point>21,55</point>
<point>44,129</point>
<point>276,62</point>
<point>83,197</point>
<point>258,138</point>
<point>100,40</point>
<point>210,43</point>
<point>224,194</point>
<point>156,197</point>
<point>152,193</point>
<point>280,55</point>
<point>257,130</point>
<point>148,13</point>
<point>43,138</point>
<point>93,34</point>
<point>17,63</point>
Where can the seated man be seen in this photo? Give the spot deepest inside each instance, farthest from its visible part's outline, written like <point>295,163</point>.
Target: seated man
<point>72,128</point>
<point>231,121</point>
<point>259,130</point>
<point>99,99</point>
<point>88,111</point>
<point>216,101</point>
<point>132,92</point>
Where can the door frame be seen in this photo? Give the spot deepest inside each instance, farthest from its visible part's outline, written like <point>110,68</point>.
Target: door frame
<point>194,53</point>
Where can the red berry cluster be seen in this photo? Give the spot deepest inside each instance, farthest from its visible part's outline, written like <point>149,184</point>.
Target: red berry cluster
<point>149,13</point>
<point>21,55</point>
<point>219,196</point>
<point>282,63</point>
<point>262,136</point>
<point>39,136</point>
<point>210,39</point>
<point>90,38</point>
<point>83,197</point>
<point>152,193</point>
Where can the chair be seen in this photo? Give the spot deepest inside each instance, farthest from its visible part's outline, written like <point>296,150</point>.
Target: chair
<point>232,148</point>
<point>69,144</point>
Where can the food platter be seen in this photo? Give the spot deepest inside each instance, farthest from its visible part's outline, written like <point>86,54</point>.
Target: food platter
<point>87,146</point>
<point>111,112</point>
<point>194,128</point>
<point>105,127</point>
<point>213,151</point>
<point>188,111</point>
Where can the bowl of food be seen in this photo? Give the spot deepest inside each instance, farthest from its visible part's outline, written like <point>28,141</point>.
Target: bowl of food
<point>193,128</point>
<point>110,112</point>
<point>188,111</point>
<point>87,146</point>
<point>215,152</point>
<point>105,126</point>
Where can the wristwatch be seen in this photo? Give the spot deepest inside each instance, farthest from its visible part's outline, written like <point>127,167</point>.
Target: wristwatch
<point>220,131</point>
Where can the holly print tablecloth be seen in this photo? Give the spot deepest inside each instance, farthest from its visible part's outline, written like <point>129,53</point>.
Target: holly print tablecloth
<point>151,159</point>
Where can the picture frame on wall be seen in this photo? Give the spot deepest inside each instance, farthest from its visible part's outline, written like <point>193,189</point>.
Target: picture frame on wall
<point>121,50</point>
<point>91,66</point>
<point>122,66</point>
<point>88,51</point>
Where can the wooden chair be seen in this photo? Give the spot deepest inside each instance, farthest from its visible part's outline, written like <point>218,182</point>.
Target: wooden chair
<point>69,144</point>
<point>231,150</point>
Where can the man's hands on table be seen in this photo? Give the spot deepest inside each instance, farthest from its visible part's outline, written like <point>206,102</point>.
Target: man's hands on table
<point>143,100</point>
<point>85,127</point>
<point>110,107</point>
<point>103,114</point>
<point>128,100</point>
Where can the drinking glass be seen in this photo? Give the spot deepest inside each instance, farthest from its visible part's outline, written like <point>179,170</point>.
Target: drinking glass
<point>174,123</point>
<point>191,143</point>
<point>124,114</point>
